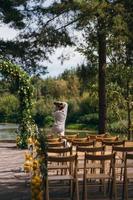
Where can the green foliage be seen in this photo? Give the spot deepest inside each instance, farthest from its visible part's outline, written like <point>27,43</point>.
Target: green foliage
<point>89,102</point>
<point>25,92</point>
<point>73,110</point>
<point>9,105</point>
<point>82,109</point>
<point>41,112</point>
<point>49,121</point>
<point>37,37</point>
<point>11,14</point>
<point>111,19</point>
<point>119,127</point>
<point>78,126</point>
<point>89,119</point>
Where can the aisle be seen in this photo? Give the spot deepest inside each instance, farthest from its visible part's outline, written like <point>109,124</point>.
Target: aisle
<point>12,181</point>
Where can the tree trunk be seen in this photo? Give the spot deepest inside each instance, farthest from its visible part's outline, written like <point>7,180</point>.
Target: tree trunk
<point>102,77</point>
<point>128,113</point>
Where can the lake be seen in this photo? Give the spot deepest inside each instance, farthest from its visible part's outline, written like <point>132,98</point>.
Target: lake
<point>7,131</point>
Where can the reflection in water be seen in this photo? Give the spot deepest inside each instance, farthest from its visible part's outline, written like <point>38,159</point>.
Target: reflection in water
<point>7,131</point>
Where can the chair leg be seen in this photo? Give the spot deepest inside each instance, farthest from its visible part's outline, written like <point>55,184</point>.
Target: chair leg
<point>108,185</point>
<point>111,190</point>
<point>71,187</point>
<point>123,189</point>
<point>104,188</point>
<point>75,187</point>
<point>46,190</point>
<point>121,172</point>
<point>77,190</point>
<point>126,189</point>
<point>84,196</point>
<point>73,190</point>
<point>115,189</point>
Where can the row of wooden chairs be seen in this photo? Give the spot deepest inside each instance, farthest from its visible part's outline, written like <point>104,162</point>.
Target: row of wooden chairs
<point>70,138</point>
<point>69,173</point>
<point>65,155</point>
<point>75,137</point>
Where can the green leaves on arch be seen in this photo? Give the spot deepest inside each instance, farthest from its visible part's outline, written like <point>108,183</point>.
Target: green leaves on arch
<point>25,93</point>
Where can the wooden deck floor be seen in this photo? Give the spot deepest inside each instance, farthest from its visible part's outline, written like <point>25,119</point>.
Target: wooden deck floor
<point>13,186</point>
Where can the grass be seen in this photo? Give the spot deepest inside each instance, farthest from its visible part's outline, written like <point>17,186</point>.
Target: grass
<point>82,127</point>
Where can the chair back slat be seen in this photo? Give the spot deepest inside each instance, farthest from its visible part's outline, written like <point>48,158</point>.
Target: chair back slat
<point>56,144</point>
<point>123,149</point>
<point>91,137</point>
<point>90,149</point>
<point>99,157</point>
<point>111,143</point>
<point>60,149</point>
<point>80,139</point>
<point>83,143</point>
<point>72,136</point>
<point>129,156</point>
<point>53,140</point>
<point>62,158</point>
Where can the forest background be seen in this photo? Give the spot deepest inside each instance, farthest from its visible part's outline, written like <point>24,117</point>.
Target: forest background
<point>107,44</point>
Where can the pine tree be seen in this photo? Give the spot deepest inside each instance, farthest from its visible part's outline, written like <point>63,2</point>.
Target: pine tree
<point>104,25</point>
<point>38,35</point>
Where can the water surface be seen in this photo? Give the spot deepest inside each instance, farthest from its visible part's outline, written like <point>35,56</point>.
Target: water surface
<point>8,131</point>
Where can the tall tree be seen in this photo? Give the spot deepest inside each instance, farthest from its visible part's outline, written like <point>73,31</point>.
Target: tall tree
<point>129,61</point>
<point>122,57</point>
<point>37,38</point>
<point>101,20</point>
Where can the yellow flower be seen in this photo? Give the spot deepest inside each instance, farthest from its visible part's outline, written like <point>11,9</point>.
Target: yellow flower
<point>30,141</point>
<point>35,165</point>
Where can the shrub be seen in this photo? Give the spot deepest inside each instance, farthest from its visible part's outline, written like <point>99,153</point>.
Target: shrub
<point>9,106</point>
<point>48,121</point>
<point>119,127</point>
<point>89,119</point>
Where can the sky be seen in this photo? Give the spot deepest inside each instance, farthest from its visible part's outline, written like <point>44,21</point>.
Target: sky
<point>55,68</point>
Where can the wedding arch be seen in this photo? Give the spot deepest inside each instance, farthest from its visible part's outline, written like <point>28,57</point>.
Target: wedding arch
<point>25,92</point>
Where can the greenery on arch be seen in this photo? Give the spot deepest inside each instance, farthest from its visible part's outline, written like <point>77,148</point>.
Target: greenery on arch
<point>25,93</point>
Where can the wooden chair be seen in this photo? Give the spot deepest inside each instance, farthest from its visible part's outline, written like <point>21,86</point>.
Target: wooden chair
<point>58,151</point>
<point>101,175</point>
<point>120,154</point>
<point>55,179</point>
<point>101,136</point>
<point>70,138</point>
<point>82,143</point>
<point>109,149</point>
<point>113,143</point>
<point>127,175</point>
<point>50,140</point>
<point>81,139</point>
<point>56,144</point>
<point>111,138</point>
<point>91,136</point>
<point>81,150</point>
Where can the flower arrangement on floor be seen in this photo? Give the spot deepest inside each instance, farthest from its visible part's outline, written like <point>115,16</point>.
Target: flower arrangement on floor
<point>36,165</point>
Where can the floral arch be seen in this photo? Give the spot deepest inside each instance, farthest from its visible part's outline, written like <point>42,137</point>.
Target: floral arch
<point>25,93</point>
